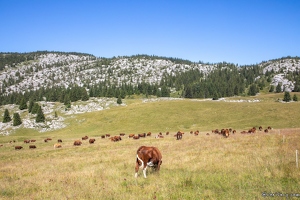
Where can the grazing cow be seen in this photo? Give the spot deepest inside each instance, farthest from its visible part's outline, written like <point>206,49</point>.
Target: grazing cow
<point>260,128</point>
<point>107,135</point>
<point>102,136</point>
<point>32,146</point>
<point>130,135</point>
<point>159,136</point>
<point>92,140</point>
<point>142,134</point>
<point>115,138</point>
<point>234,131</point>
<point>85,138</point>
<point>147,156</point>
<point>136,137</point>
<point>269,127</point>
<point>191,132</point>
<point>77,143</point>
<point>207,133</point>
<point>149,134</point>
<point>57,145</point>
<point>59,140</point>
<point>32,140</point>
<point>196,133</point>
<point>179,135</point>
<point>45,140</point>
<point>167,133</point>
<point>122,134</point>
<point>266,130</point>
<point>216,131</point>
<point>26,141</point>
<point>18,147</point>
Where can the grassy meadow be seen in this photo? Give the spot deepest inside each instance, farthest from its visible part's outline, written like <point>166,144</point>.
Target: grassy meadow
<point>242,166</point>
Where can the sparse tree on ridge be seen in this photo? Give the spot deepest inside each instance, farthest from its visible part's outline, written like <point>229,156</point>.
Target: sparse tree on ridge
<point>40,117</point>
<point>6,117</point>
<point>287,97</point>
<point>295,98</point>
<point>16,119</point>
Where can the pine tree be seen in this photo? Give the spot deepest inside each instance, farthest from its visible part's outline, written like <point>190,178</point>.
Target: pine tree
<point>6,117</point>
<point>40,117</point>
<point>23,104</point>
<point>295,98</point>
<point>16,119</point>
<point>287,97</point>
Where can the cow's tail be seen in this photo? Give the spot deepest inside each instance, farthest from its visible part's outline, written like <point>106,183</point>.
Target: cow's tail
<point>138,159</point>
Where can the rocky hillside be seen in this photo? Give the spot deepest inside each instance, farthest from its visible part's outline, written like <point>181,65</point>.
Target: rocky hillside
<point>53,69</point>
<point>57,69</point>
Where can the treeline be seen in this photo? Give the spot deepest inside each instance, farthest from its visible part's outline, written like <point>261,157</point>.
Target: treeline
<point>75,93</point>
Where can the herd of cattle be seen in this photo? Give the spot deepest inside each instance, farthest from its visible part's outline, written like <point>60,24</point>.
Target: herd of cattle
<point>145,156</point>
<point>223,132</point>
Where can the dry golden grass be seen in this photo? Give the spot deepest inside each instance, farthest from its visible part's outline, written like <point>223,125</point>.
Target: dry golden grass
<point>196,167</point>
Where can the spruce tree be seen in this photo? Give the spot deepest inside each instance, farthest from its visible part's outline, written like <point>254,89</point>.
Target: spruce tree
<point>119,101</point>
<point>31,103</point>
<point>40,117</point>
<point>16,119</point>
<point>278,88</point>
<point>6,117</point>
<point>23,104</point>
<point>287,97</point>
<point>295,98</point>
<point>35,108</point>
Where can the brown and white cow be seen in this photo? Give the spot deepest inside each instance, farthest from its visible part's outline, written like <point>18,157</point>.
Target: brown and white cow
<point>147,156</point>
<point>57,145</point>
<point>179,135</point>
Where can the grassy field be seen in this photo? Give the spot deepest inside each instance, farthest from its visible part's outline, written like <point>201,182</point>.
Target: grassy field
<point>242,166</point>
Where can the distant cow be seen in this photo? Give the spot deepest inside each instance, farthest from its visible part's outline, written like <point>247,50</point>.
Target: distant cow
<point>147,156</point>
<point>159,136</point>
<point>85,138</point>
<point>179,135</point>
<point>142,134</point>
<point>18,147</point>
<point>77,143</point>
<point>26,141</point>
<point>107,135</point>
<point>260,128</point>
<point>58,145</point>
<point>102,136</point>
<point>149,134</point>
<point>32,146</point>
<point>59,140</point>
<point>32,140</point>
<point>167,133</point>
<point>131,135</point>
<point>116,138</point>
<point>136,137</point>
<point>92,140</point>
<point>122,134</point>
<point>266,131</point>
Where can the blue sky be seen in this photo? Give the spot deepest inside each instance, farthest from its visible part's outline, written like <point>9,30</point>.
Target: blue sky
<point>235,31</point>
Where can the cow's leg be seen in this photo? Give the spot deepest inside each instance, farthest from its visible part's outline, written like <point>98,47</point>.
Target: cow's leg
<point>144,172</point>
